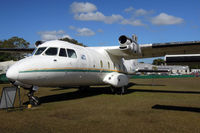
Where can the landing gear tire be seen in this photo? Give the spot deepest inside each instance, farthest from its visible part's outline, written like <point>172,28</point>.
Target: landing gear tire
<point>123,90</point>
<point>34,100</point>
<point>119,90</point>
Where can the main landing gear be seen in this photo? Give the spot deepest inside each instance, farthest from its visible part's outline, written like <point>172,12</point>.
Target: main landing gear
<point>119,90</point>
<point>33,100</point>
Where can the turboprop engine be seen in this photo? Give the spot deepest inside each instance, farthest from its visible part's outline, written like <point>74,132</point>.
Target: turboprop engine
<point>129,44</point>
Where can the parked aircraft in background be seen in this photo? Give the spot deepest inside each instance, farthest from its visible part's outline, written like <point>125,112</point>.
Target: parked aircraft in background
<point>61,64</point>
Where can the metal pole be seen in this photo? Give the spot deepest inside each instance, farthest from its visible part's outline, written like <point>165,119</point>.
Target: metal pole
<point>18,88</point>
<point>5,99</point>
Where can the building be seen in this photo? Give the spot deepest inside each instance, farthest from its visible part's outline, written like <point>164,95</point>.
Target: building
<point>175,69</point>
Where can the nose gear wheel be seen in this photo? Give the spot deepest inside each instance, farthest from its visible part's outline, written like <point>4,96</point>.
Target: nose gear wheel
<point>33,100</point>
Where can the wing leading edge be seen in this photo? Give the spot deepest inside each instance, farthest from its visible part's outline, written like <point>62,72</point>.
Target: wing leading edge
<point>170,48</point>
<point>157,50</point>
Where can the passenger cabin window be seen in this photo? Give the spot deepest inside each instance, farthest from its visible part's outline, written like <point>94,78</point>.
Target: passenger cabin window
<point>101,63</point>
<point>40,50</point>
<point>51,51</point>
<point>114,65</point>
<point>63,52</point>
<point>108,65</point>
<point>119,67</point>
<point>71,53</point>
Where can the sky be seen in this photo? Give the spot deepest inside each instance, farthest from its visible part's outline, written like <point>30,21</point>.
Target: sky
<point>100,22</point>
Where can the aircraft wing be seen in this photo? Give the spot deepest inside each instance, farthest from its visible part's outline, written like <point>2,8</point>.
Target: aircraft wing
<point>170,48</point>
<point>17,50</point>
<point>116,51</point>
<point>157,50</point>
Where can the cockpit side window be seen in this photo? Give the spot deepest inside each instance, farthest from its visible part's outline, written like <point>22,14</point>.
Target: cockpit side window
<point>40,50</point>
<point>62,52</point>
<point>51,51</point>
<point>71,53</point>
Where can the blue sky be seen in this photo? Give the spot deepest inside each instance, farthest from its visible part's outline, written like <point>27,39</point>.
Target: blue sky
<point>100,22</point>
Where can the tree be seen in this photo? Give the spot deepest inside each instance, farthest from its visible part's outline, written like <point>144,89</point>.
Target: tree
<point>158,61</point>
<point>72,41</point>
<point>14,42</point>
<point>194,66</point>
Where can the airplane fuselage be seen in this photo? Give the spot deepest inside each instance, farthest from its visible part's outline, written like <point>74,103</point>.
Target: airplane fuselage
<point>79,66</point>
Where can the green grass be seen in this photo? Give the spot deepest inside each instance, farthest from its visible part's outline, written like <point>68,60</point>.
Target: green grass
<point>176,103</point>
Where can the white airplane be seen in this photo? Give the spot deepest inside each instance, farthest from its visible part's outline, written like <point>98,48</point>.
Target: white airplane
<point>61,64</point>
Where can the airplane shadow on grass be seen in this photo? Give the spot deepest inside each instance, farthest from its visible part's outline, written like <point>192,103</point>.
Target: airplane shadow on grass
<point>156,90</point>
<point>94,91</point>
<point>176,108</point>
<point>149,85</point>
<point>165,91</point>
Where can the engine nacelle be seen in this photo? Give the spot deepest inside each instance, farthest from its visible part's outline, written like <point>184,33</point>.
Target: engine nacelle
<point>116,79</point>
<point>129,44</point>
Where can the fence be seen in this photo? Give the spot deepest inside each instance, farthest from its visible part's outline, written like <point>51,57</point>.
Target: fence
<point>160,76</point>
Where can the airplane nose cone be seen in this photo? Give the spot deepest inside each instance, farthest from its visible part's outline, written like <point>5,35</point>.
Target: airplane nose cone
<point>12,73</point>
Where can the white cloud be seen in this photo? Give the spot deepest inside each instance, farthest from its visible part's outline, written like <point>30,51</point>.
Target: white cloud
<point>165,19</point>
<point>129,9</point>
<point>138,12</point>
<point>52,35</point>
<point>77,7</point>
<point>88,12</point>
<point>98,16</point>
<point>85,32</point>
<point>113,18</point>
<point>82,31</point>
<point>66,36</point>
<point>132,22</point>
<point>141,12</point>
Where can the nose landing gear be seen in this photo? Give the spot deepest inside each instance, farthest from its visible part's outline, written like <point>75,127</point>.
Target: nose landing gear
<point>33,100</point>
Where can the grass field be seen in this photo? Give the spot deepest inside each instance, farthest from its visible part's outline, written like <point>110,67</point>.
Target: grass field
<point>151,105</point>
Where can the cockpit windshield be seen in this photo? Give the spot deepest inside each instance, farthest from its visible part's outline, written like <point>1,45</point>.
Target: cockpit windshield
<point>71,53</point>
<point>63,52</point>
<point>40,50</point>
<point>51,51</point>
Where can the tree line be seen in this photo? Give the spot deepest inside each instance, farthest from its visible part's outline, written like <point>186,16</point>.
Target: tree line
<point>13,42</point>
<point>17,42</point>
